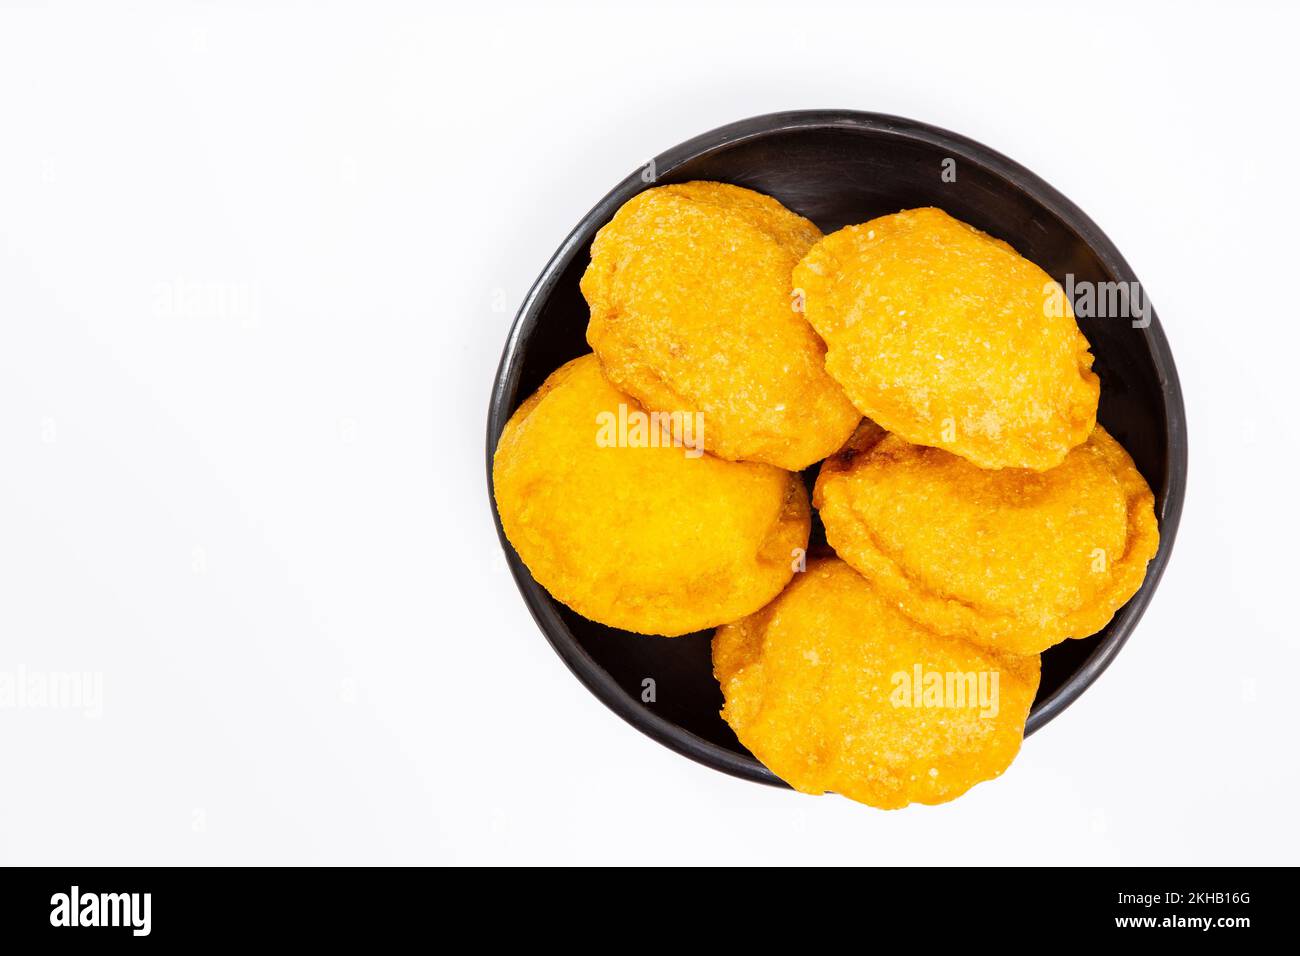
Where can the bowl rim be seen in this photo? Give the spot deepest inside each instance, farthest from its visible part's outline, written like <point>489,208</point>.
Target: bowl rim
<point>594,677</point>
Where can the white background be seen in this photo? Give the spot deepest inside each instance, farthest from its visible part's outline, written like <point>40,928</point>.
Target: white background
<point>257,264</point>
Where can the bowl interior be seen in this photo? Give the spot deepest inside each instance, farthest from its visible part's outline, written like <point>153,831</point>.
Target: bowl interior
<point>837,173</point>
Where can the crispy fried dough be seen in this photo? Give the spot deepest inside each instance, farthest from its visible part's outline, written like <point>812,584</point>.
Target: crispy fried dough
<point>655,540</point>
<point>949,338</point>
<point>1014,559</point>
<point>832,688</point>
<point>691,310</point>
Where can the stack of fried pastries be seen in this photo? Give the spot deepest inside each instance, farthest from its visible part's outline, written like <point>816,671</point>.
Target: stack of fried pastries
<point>976,514</point>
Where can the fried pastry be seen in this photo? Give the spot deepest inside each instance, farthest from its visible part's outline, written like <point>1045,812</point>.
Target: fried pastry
<point>947,337</point>
<point>691,311</point>
<point>833,689</point>
<point>631,529</point>
<point>1014,559</point>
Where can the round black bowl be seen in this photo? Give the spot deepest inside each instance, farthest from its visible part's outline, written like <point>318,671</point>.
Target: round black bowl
<point>838,167</point>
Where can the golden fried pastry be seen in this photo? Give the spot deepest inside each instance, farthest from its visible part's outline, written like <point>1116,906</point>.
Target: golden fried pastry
<point>691,311</point>
<point>944,335</point>
<point>631,529</point>
<point>831,688</point>
<point>1015,560</point>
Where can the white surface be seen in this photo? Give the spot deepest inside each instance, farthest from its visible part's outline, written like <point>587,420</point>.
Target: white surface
<point>256,270</point>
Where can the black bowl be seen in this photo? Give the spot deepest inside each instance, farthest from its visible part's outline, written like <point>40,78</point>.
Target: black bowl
<point>838,167</point>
